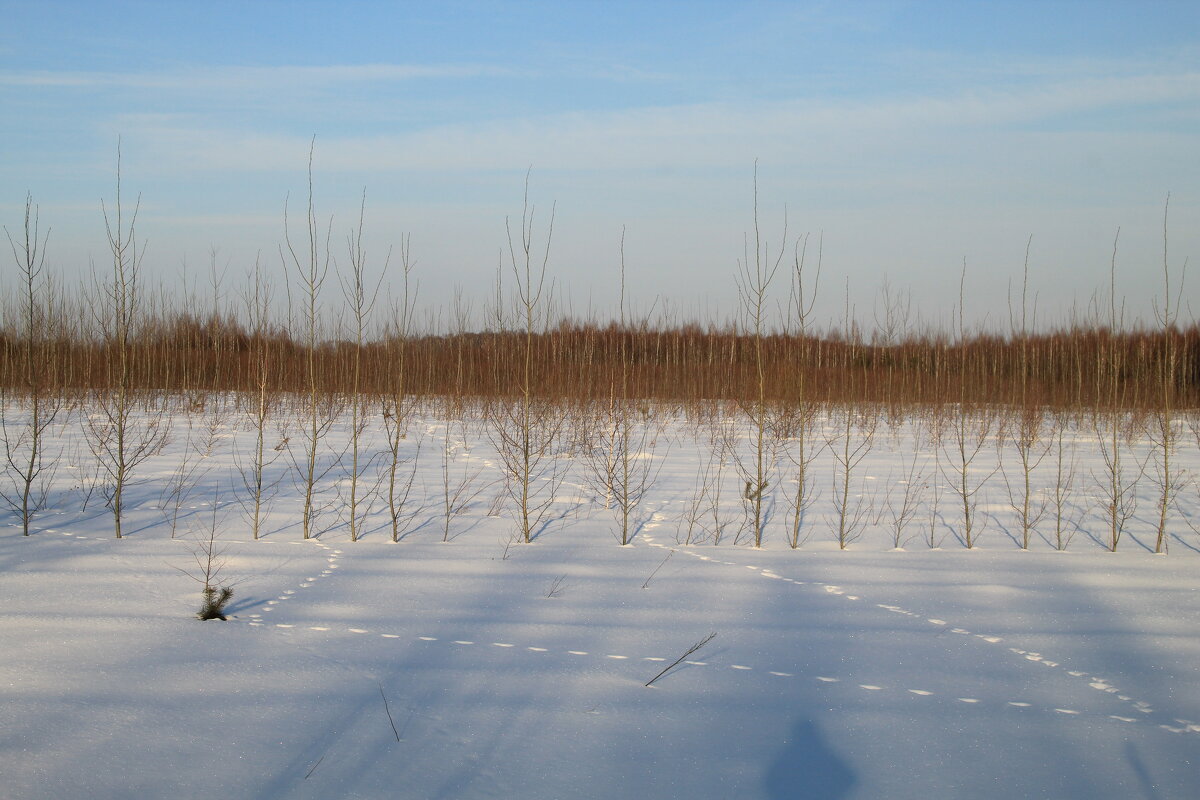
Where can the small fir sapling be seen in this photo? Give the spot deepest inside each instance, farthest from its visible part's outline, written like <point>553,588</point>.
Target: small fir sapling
<point>210,560</point>
<point>214,603</point>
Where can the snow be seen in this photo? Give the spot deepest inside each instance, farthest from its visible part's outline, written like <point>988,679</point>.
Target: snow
<point>864,673</point>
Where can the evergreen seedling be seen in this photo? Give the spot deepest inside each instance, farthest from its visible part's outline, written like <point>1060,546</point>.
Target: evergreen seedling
<point>214,603</point>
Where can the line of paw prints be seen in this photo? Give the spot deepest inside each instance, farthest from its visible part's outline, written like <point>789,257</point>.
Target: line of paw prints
<point>332,554</point>
<point>1095,682</point>
<point>1180,726</point>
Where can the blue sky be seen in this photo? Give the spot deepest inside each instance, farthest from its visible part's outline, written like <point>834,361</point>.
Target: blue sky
<point>910,135</point>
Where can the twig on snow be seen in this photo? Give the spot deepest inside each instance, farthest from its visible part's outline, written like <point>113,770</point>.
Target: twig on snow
<point>656,569</point>
<point>314,766</point>
<point>388,711</point>
<point>686,653</point>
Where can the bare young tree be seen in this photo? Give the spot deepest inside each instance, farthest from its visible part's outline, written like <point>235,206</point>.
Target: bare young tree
<point>194,459</point>
<point>622,464</point>
<point>692,518</point>
<point>797,418</point>
<point>461,483</point>
<point>117,440</point>
<point>525,433</point>
<point>851,443</point>
<point>361,299</point>
<point>1066,523</point>
<point>935,426</point>
<point>25,442</point>
<point>723,440</point>
<point>311,267</point>
<point>1117,489</point>
<point>1030,424</point>
<point>913,483</point>
<point>460,478</point>
<point>401,465</point>
<point>620,456</point>
<point>1025,500</point>
<point>260,401</point>
<point>1165,428</point>
<point>969,434</point>
<point>178,489</point>
<point>753,279</point>
<point>893,310</point>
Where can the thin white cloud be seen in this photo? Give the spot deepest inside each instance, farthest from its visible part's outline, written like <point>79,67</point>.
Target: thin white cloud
<point>989,68</point>
<point>700,135</point>
<point>241,77</point>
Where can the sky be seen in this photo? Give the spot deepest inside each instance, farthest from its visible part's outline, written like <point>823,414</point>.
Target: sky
<point>923,145</point>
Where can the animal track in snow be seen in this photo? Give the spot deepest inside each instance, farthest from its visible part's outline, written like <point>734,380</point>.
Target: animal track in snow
<point>1094,682</point>
<point>332,556</point>
<point>1179,726</point>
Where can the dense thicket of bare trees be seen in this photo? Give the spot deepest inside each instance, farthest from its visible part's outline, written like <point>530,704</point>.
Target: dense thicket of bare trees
<point>767,395</point>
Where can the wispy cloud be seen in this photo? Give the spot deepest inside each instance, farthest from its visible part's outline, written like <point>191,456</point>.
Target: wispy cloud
<point>234,77</point>
<point>697,135</point>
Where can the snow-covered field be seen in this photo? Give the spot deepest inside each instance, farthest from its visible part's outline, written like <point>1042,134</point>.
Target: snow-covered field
<point>480,667</point>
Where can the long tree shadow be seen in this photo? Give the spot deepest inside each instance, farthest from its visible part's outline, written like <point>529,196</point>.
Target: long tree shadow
<point>808,767</point>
